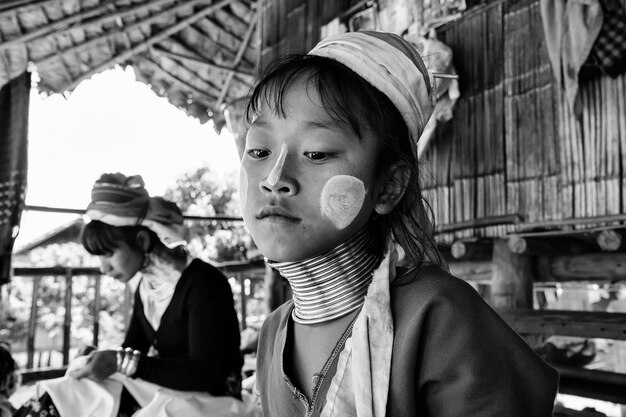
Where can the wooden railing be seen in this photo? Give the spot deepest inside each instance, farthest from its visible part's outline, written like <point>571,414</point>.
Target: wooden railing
<point>601,385</point>
<point>244,272</point>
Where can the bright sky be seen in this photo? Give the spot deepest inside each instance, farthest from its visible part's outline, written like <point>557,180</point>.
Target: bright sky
<point>111,123</point>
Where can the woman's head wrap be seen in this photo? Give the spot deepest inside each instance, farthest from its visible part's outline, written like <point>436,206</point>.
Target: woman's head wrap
<point>118,200</point>
<point>393,66</point>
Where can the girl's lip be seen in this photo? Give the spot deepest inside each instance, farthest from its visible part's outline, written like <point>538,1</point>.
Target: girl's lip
<point>275,211</point>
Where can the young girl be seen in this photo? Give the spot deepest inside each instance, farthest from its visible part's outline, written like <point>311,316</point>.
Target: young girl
<point>329,179</point>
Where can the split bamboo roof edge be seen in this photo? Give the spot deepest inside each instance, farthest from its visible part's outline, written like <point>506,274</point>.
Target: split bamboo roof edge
<point>201,55</point>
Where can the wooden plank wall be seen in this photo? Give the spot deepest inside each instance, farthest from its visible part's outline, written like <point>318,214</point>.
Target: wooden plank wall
<point>514,146</point>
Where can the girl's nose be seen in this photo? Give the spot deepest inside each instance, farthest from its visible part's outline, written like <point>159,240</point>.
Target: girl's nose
<point>280,179</point>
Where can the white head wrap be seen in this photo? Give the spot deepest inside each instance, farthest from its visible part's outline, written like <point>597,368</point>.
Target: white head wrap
<point>392,65</point>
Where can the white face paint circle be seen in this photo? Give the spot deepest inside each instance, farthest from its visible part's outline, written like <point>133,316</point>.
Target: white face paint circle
<point>243,188</point>
<point>341,200</point>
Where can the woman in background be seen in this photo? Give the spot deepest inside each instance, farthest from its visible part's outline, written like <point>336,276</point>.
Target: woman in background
<point>183,333</point>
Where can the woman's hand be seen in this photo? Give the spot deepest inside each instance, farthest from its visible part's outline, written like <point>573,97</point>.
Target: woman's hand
<point>100,365</point>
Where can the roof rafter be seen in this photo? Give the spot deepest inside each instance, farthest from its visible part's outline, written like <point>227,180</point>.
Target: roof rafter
<point>171,77</point>
<point>149,42</point>
<point>149,20</point>
<point>202,61</point>
<point>240,52</point>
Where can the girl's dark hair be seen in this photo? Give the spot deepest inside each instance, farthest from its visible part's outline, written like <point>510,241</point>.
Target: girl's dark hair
<point>350,99</point>
<point>99,238</point>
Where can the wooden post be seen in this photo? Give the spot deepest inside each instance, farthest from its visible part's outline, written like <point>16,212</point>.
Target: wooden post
<point>511,278</point>
<point>67,321</point>
<point>234,116</point>
<point>32,324</point>
<point>242,298</point>
<point>96,310</point>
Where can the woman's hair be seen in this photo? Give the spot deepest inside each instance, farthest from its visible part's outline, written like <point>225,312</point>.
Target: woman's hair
<point>350,99</point>
<point>102,239</point>
<point>8,367</point>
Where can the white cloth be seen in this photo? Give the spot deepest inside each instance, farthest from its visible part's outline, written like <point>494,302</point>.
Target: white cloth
<point>87,398</point>
<point>399,74</point>
<point>361,384</point>
<point>570,28</point>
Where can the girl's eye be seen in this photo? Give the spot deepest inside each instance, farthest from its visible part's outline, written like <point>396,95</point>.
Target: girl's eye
<point>317,156</point>
<point>258,153</point>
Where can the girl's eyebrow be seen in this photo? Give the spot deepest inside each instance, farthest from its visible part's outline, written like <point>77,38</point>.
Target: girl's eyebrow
<point>327,124</point>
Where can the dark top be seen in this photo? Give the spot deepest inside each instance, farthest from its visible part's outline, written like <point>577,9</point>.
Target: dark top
<point>198,339</point>
<point>452,356</point>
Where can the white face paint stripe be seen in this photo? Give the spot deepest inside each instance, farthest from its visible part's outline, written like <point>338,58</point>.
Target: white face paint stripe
<point>341,200</point>
<point>274,176</point>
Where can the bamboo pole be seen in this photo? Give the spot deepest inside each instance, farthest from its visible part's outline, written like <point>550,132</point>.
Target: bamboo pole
<point>202,61</point>
<point>7,5</point>
<point>148,43</point>
<point>240,52</point>
<point>82,211</point>
<point>157,68</point>
<point>136,25</point>
<point>67,24</point>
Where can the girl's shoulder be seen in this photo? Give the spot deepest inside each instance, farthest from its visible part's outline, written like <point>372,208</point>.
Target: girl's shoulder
<point>434,291</point>
<point>278,319</point>
<point>431,281</point>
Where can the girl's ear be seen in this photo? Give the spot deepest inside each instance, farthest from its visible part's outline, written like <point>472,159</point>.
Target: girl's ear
<point>392,188</point>
<point>143,240</point>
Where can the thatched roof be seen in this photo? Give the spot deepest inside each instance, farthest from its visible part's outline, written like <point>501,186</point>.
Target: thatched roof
<point>200,54</point>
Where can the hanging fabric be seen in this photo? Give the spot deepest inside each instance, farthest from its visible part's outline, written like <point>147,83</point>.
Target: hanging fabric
<point>14,102</point>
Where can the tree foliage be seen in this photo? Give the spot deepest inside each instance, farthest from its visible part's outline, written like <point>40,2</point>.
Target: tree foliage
<point>203,192</point>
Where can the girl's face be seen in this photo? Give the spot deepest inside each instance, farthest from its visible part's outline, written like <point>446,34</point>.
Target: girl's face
<point>307,181</point>
<point>122,264</point>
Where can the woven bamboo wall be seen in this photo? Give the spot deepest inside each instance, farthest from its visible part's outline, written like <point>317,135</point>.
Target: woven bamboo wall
<point>293,26</point>
<point>514,147</point>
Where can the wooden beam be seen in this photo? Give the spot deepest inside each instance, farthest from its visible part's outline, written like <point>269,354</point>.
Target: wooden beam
<point>592,266</point>
<point>240,52</point>
<point>46,209</point>
<point>588,324</point>
<point>610,240</point>
<point>148,43</point>
<point>202,61</point>
<point>476,250</point>
<point>512,278</point>
<point>148,20</point>
<point>482,222</point>
<point>601,385</point>
<point>535,246</point>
